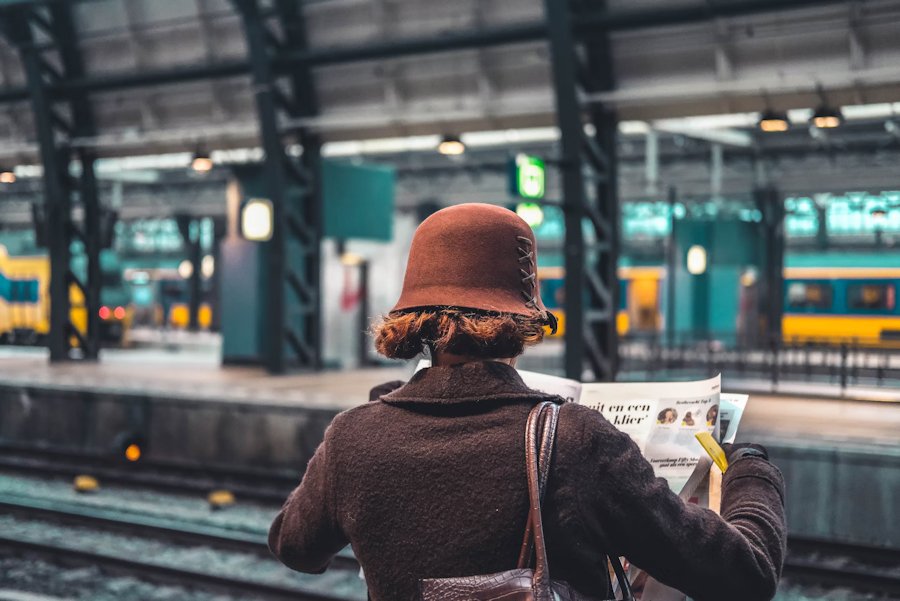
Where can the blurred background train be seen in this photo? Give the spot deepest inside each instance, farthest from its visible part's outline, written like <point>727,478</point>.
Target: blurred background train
<point>25,307</point>
<point>821,304</point>
<point>155,298</point>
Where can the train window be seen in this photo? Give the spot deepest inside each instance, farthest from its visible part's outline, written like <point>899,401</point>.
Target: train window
<point>807,295</point>
<point>871,296</point>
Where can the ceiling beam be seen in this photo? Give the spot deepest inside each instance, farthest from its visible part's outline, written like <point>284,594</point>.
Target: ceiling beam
<point>430,44</point>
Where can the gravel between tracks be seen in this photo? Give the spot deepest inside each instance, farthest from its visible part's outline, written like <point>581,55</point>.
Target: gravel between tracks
<point>246,566</point>
<point>89,584</point>
<point>789,591</point>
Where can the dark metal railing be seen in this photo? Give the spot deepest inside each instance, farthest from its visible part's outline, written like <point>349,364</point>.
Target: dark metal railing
<point>842,362</point>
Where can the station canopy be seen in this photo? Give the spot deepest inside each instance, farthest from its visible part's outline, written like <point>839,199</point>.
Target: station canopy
<point>169,75</point>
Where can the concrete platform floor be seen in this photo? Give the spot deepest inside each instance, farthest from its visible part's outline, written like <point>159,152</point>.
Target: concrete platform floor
<point>194,375</point>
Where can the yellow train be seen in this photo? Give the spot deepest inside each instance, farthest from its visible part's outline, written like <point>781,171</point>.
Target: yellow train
<point>25,304</point>
<point>821,304</point>
<point>842,304</point>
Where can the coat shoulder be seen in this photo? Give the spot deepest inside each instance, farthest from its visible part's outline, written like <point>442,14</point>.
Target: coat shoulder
<point>346,422</point>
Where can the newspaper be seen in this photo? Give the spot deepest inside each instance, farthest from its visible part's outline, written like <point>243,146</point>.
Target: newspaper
<point>661,417</point>
<point>731,410</point>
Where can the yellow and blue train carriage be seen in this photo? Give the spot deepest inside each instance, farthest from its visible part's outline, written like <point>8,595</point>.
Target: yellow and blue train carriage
<point>25,304</point>
<point>821,304</point>
<point>21,319</point>
<point>24,314</point>
<point>638,307</point>
<point>842,304</point>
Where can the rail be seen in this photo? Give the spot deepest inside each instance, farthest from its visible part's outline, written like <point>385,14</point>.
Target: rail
<point>147,526</point>
<point>169,574</point>
<point>258,485</point>
<point>834,563</point>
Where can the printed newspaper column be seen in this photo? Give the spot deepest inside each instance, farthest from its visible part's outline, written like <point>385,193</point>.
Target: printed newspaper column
<point>677,411</point>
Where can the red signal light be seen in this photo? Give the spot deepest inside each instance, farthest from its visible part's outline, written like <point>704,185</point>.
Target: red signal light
<point>104,312</point>
<point>119,312</point>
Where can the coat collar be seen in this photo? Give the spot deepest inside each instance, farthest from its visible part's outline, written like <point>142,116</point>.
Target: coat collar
<point>466,383</point>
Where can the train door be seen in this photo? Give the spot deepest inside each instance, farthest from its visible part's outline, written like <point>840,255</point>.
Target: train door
<point>643,304</point>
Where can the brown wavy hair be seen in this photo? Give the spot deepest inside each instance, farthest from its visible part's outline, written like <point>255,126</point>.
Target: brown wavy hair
<point>483,335</point>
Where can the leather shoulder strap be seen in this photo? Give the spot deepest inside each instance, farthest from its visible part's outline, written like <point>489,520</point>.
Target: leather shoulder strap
<point>540,439</point>
<point>540,433</point>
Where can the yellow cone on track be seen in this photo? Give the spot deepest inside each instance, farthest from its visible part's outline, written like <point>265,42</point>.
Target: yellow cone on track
<point>219,499</point>
<point>84,483</point>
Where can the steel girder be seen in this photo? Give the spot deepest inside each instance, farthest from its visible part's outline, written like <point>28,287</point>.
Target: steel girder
<point>47,45</point>
<point>588,169</point>
<point>591,23</point>
<point>189,228</point>
<point>293,276</point>
<point>771,205</point>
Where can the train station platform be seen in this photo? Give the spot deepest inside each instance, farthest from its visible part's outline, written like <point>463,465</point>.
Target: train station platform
<point>192,376</point>
<point>188,410</point>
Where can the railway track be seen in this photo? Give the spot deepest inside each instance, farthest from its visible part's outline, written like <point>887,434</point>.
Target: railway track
<point>263,487</point>
<point>145,526</point>
<point>149,527</point>
<point>826,563</point>
<point>832,563</point>
<point>162,573</point>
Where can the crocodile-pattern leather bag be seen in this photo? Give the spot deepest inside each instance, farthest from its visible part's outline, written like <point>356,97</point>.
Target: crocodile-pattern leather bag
<point>524,583</point>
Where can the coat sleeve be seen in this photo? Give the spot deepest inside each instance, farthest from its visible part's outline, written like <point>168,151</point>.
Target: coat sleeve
<point>306,534</point>
<point>736,556</point>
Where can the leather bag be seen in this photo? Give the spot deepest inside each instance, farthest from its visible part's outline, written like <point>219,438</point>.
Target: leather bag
<point>524,583</point>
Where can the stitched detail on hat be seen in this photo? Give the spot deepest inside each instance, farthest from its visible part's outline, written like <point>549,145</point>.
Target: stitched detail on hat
<point>529,275</point>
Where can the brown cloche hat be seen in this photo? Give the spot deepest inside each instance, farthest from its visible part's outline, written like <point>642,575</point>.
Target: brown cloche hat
<point>474,256</point>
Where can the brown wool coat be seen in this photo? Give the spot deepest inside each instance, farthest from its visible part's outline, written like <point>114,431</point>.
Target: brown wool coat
<point>429,481</point>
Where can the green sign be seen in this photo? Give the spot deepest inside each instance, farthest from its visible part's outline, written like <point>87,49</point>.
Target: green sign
<point>358,200</point>
<point>527,177</point>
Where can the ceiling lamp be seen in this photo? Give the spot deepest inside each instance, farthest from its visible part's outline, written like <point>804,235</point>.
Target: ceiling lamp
<point>7,175</point>
<point>451,145</point>
<point>827,117</point>
<point>771,121</point>
<point>202,162</point>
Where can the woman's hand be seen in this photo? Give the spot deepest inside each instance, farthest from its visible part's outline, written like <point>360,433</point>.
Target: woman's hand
<point>734,452</point>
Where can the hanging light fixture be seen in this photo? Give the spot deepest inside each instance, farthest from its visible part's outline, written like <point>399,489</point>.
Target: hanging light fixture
<point>7,175</point>
<point>202,162</point>
<point>827,117</point>
<point>451,145</point>
<point>772,121</point>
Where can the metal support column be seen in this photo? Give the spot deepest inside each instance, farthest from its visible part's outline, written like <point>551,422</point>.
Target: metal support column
<point>293,287</point>
<point>46,41</point>
<point>189,227</point>
<point>771,205</point>
<point>671,268</point>
<point>588,170</point>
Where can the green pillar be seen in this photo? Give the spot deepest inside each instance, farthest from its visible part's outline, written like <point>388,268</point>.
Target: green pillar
<point>711,256</point>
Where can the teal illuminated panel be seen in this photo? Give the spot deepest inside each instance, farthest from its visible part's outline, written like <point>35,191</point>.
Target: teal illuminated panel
<point>553,226</point>
<point>854,213</point>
